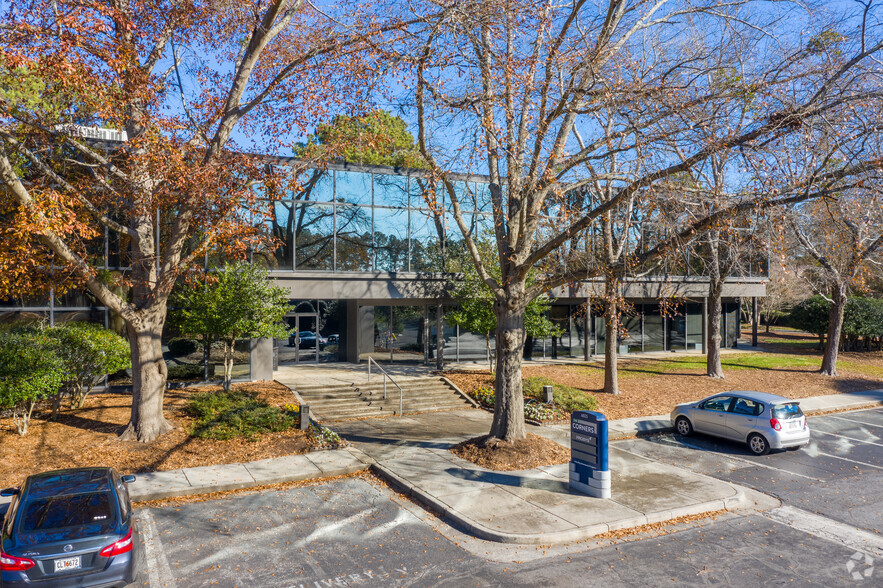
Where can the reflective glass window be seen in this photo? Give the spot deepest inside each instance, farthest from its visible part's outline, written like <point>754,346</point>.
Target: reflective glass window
<point>694,326</point>
<point>391,239</point>
<point>424,194</point>
<point>677,329</point>
<point>654,335</point>
<point>391,190</point>
<point>464,197</point>
<point>354,239</point>
<point>277,250</point>
<point>313,185</point>
<point>482,195</point>
<point>427,234</point>
<point>76,298</point>
<point>353,187</point>
<point>314,237</point>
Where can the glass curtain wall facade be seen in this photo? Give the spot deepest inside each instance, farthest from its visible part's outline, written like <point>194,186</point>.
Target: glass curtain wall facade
<point>362,221</point>
<point>345,220</point>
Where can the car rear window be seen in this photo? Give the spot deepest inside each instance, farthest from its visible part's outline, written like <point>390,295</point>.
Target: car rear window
<point>61,512</point>
<point>787,411</point>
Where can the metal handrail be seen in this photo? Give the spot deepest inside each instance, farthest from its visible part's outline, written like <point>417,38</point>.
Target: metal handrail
<point>401,394</point>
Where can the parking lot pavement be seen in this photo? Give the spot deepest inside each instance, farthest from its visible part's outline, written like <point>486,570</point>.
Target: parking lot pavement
<point>838,476</point>
<point>341,533</point>
<point>349,533</point>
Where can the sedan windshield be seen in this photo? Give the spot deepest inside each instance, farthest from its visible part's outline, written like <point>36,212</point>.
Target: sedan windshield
<point>62,512</point>
<point>787,411</point>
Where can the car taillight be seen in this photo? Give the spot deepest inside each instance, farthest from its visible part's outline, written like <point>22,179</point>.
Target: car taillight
<point>804,421</point>
<point>774,423</point>
<point>121,546</point>
<point>10,563</point>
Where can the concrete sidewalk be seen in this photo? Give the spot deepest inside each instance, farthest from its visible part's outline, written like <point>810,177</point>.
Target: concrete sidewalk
<point>661,423</point>
<point>207,479</point>
<point>534,506</point>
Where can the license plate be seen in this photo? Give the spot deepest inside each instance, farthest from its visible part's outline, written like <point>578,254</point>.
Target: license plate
<point>794,425</point>
<point>71,563</point>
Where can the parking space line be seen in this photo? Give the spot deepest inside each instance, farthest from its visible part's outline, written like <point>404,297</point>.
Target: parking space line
<point>853,420</point>
<point>159,572</point>
<point>760,465</point>
<point>821,526</point>
<point>870,465</point>
<point>862,441</point>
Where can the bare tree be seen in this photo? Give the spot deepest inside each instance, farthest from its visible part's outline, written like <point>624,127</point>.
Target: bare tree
<point>842,236</point>
<point>518,81</point>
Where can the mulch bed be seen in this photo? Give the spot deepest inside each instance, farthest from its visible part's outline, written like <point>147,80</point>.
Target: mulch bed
<point>88,437</point>
<point>650,392</point>
<point>524,454</point>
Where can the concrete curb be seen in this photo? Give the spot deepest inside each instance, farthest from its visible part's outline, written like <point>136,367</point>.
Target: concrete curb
<point>849,407</point>
<point>208,479</point>
<point>741,499</point>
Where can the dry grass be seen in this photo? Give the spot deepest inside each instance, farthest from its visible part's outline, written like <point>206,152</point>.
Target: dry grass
<point>88,437</point>
<point>651,386</point>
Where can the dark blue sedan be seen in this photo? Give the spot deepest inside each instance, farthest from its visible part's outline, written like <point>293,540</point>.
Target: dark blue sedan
<point>70,528</point>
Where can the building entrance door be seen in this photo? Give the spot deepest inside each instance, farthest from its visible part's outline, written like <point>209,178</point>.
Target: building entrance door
<point>305,337</point>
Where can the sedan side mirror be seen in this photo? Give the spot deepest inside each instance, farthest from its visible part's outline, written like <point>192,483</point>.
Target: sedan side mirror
<point>6,492</point>
<point>128,479</point>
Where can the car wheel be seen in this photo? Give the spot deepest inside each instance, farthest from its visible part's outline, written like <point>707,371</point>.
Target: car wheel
<point>758,444</point>
<point>683,426</point>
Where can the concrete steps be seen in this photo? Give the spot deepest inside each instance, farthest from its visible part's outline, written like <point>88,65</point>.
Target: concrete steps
<point>354,401</point>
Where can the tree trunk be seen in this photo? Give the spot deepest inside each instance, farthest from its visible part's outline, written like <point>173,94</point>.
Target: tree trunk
<point>508,422</point>
<point>835,324</point>
<point>611,326</point>
<point>487,343</point>
<point>713,366</point>
<point>22,417</point>
<point>228,361</point>
<point>149,373</point>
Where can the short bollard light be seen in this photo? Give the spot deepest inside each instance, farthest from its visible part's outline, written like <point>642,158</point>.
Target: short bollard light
<point>304,417</point>
<point>547,393</point>
<point>589,470</point>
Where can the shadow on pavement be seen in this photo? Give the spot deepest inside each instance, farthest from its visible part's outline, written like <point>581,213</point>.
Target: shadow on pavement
<point>503,479</point>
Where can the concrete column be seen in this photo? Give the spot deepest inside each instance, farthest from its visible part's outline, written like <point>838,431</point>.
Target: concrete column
<point>348,348</point>
<point>261,359</point>
<point>366,330</point>
<point>755,318</point>
<point>738,323</point>
<point>439,339</point>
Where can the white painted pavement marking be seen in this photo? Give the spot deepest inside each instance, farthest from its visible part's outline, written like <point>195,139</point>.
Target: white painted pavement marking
<point>862,441</point>
<point>852,420</point>
<point>159,572</point>
<point>754,463</point>
<point>869,465</point>
<point>330,530</point>
<point>821,526</point>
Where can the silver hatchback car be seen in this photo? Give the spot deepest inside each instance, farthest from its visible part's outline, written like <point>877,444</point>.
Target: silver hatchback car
<point>763,421</point>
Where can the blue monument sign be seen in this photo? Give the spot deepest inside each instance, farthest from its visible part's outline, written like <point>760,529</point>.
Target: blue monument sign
<point>589,471</point>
